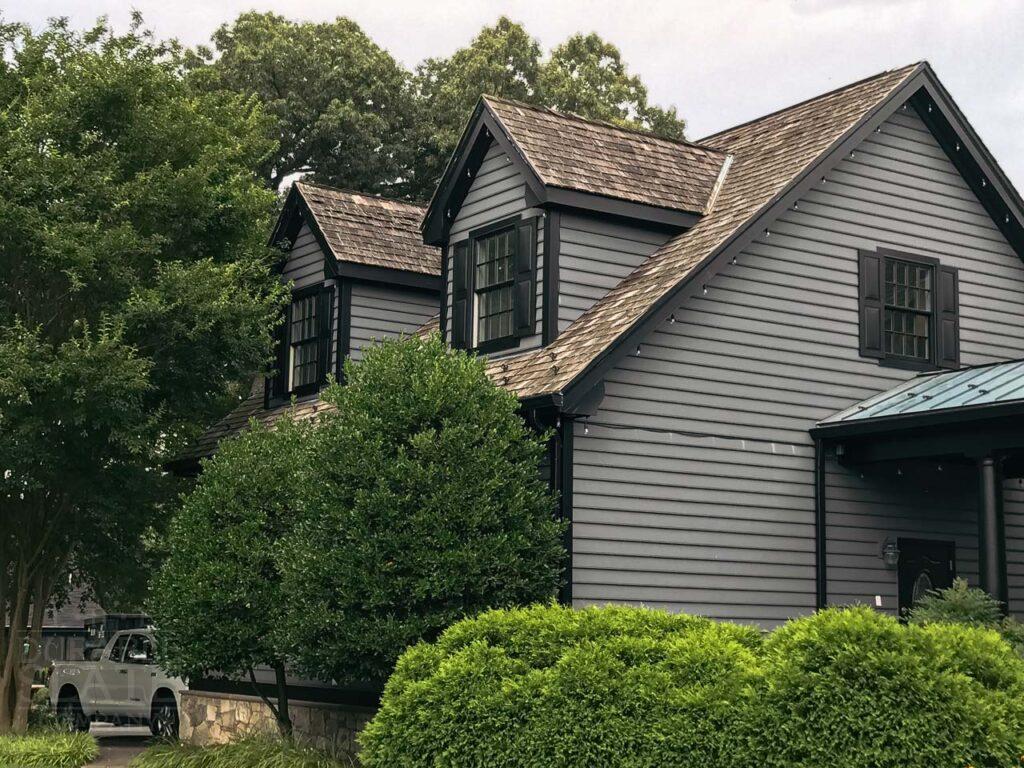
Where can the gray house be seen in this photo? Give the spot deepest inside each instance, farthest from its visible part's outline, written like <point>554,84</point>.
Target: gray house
<point>779,361</point>
<point>692,316</point>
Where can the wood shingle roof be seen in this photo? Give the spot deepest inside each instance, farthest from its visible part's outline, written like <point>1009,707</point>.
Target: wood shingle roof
<point>369,230</point>
<point>569,152</point>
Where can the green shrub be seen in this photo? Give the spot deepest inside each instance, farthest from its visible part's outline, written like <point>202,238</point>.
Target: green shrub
<point>247,753</point>
<point>40,714</point>
<point>964,605</point>
<point>427,507</point>
<point>959,603</point>
<point>853,688</point>
<point>47,749</point>
<point>549,686</point>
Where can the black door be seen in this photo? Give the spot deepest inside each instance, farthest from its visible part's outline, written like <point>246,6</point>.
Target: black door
<point>924,565</point>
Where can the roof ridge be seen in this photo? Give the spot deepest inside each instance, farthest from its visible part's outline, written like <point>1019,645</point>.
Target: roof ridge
<point>369,195</point>
<point>649,134</point>
<point>827,94</point>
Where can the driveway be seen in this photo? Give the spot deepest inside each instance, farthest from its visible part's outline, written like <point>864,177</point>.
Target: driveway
<point>118,744</point>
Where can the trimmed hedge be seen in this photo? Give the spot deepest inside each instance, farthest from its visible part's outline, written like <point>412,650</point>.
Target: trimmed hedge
<point>849,688</point>
<point>48,749</point>
<point>549,686</point>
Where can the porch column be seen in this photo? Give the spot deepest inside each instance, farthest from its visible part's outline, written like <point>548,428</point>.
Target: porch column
<point>991,536</point>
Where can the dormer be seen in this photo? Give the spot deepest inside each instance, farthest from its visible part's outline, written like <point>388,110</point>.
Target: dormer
<point>540,213</point>
<point>359,272</point>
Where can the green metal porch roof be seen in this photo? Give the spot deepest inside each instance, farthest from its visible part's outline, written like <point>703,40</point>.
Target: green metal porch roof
<point>982,391</point>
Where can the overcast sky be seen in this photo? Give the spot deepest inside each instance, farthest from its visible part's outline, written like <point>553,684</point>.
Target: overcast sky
<point>719,61</point>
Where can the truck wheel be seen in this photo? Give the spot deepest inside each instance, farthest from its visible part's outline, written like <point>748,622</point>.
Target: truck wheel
<point>163,720</point>
<point>69,712</point>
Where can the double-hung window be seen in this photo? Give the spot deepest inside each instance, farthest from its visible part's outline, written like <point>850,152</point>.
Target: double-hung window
<point>494,257</point>
<point>494,286</point>
<point>303,343</point>
<point>909,310</point>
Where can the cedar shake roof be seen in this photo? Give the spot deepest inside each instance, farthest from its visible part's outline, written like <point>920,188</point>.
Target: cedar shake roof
<point>570,152</point>
<point>769,154</point>
<point>369,230</point>
<point>251,408</point>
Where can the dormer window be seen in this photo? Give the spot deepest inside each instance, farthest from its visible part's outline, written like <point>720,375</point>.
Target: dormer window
<point>304,344</point>
<point>494,286</point>
<point>494,257</point>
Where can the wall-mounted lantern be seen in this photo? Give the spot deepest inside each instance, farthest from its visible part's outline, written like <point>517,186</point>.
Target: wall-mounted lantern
<point>890,553</point>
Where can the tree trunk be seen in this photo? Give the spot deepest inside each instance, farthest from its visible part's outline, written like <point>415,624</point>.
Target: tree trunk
<point>284,720</point>
<point>280,711</point>
<point>10,655</point>
<point>30,660</point>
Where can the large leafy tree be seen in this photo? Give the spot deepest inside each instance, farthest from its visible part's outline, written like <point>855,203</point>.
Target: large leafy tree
<point>428,507</point>
<point>502,60</point>
<point>135,299</point>
<point>585,75</point>
<point>217,598</point>
<point>341,104</point>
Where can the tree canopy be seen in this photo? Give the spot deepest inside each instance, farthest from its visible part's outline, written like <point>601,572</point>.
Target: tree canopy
<point>428,507</point>
<point>218,598</point>
<point>585,75</point>
<point>136,299</point>
<point>351,116</point>
<point>340,104</point>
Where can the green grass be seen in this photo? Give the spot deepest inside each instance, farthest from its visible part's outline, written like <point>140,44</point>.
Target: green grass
<point>248,753</point>
<point>47,749</point>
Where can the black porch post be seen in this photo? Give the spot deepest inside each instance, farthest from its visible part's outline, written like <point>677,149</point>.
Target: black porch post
<point>991,536</point>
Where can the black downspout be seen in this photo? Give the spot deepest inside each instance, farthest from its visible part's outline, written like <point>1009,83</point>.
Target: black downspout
<point>563,478</point>
<point>820,539</point>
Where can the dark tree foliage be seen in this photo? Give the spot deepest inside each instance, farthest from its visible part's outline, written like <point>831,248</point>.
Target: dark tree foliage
<point>428,506</point>
<point>218,599</point>
<point>341,104</point>
<point>135,299</point>
<point>349,115</point>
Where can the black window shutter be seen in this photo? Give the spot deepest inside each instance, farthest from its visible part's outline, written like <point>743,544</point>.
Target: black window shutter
<point>870,304</point>
<point>460,294</point>
<point>324,302</point>
<point>947,319</point>
<point>279,383</point>
<point>526,262</point>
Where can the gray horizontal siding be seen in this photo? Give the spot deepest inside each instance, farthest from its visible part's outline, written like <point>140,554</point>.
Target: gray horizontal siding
<point>383,312</point>
<point>693,483</point>
<point>594,256</point>
<point>498,192</point>
<point>305,263</point>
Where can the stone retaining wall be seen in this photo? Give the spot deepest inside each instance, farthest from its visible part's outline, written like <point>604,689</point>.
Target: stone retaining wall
<point>217,718</point>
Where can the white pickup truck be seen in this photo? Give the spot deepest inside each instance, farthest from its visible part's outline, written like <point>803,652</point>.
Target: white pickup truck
<point>124,685</point>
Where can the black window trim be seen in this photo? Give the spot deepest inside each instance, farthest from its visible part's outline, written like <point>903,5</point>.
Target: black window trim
<point>898,361</point>
<point>511,339</point>
<point>888,360</point>
<point>505,342</point>
<point>284,357</point>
